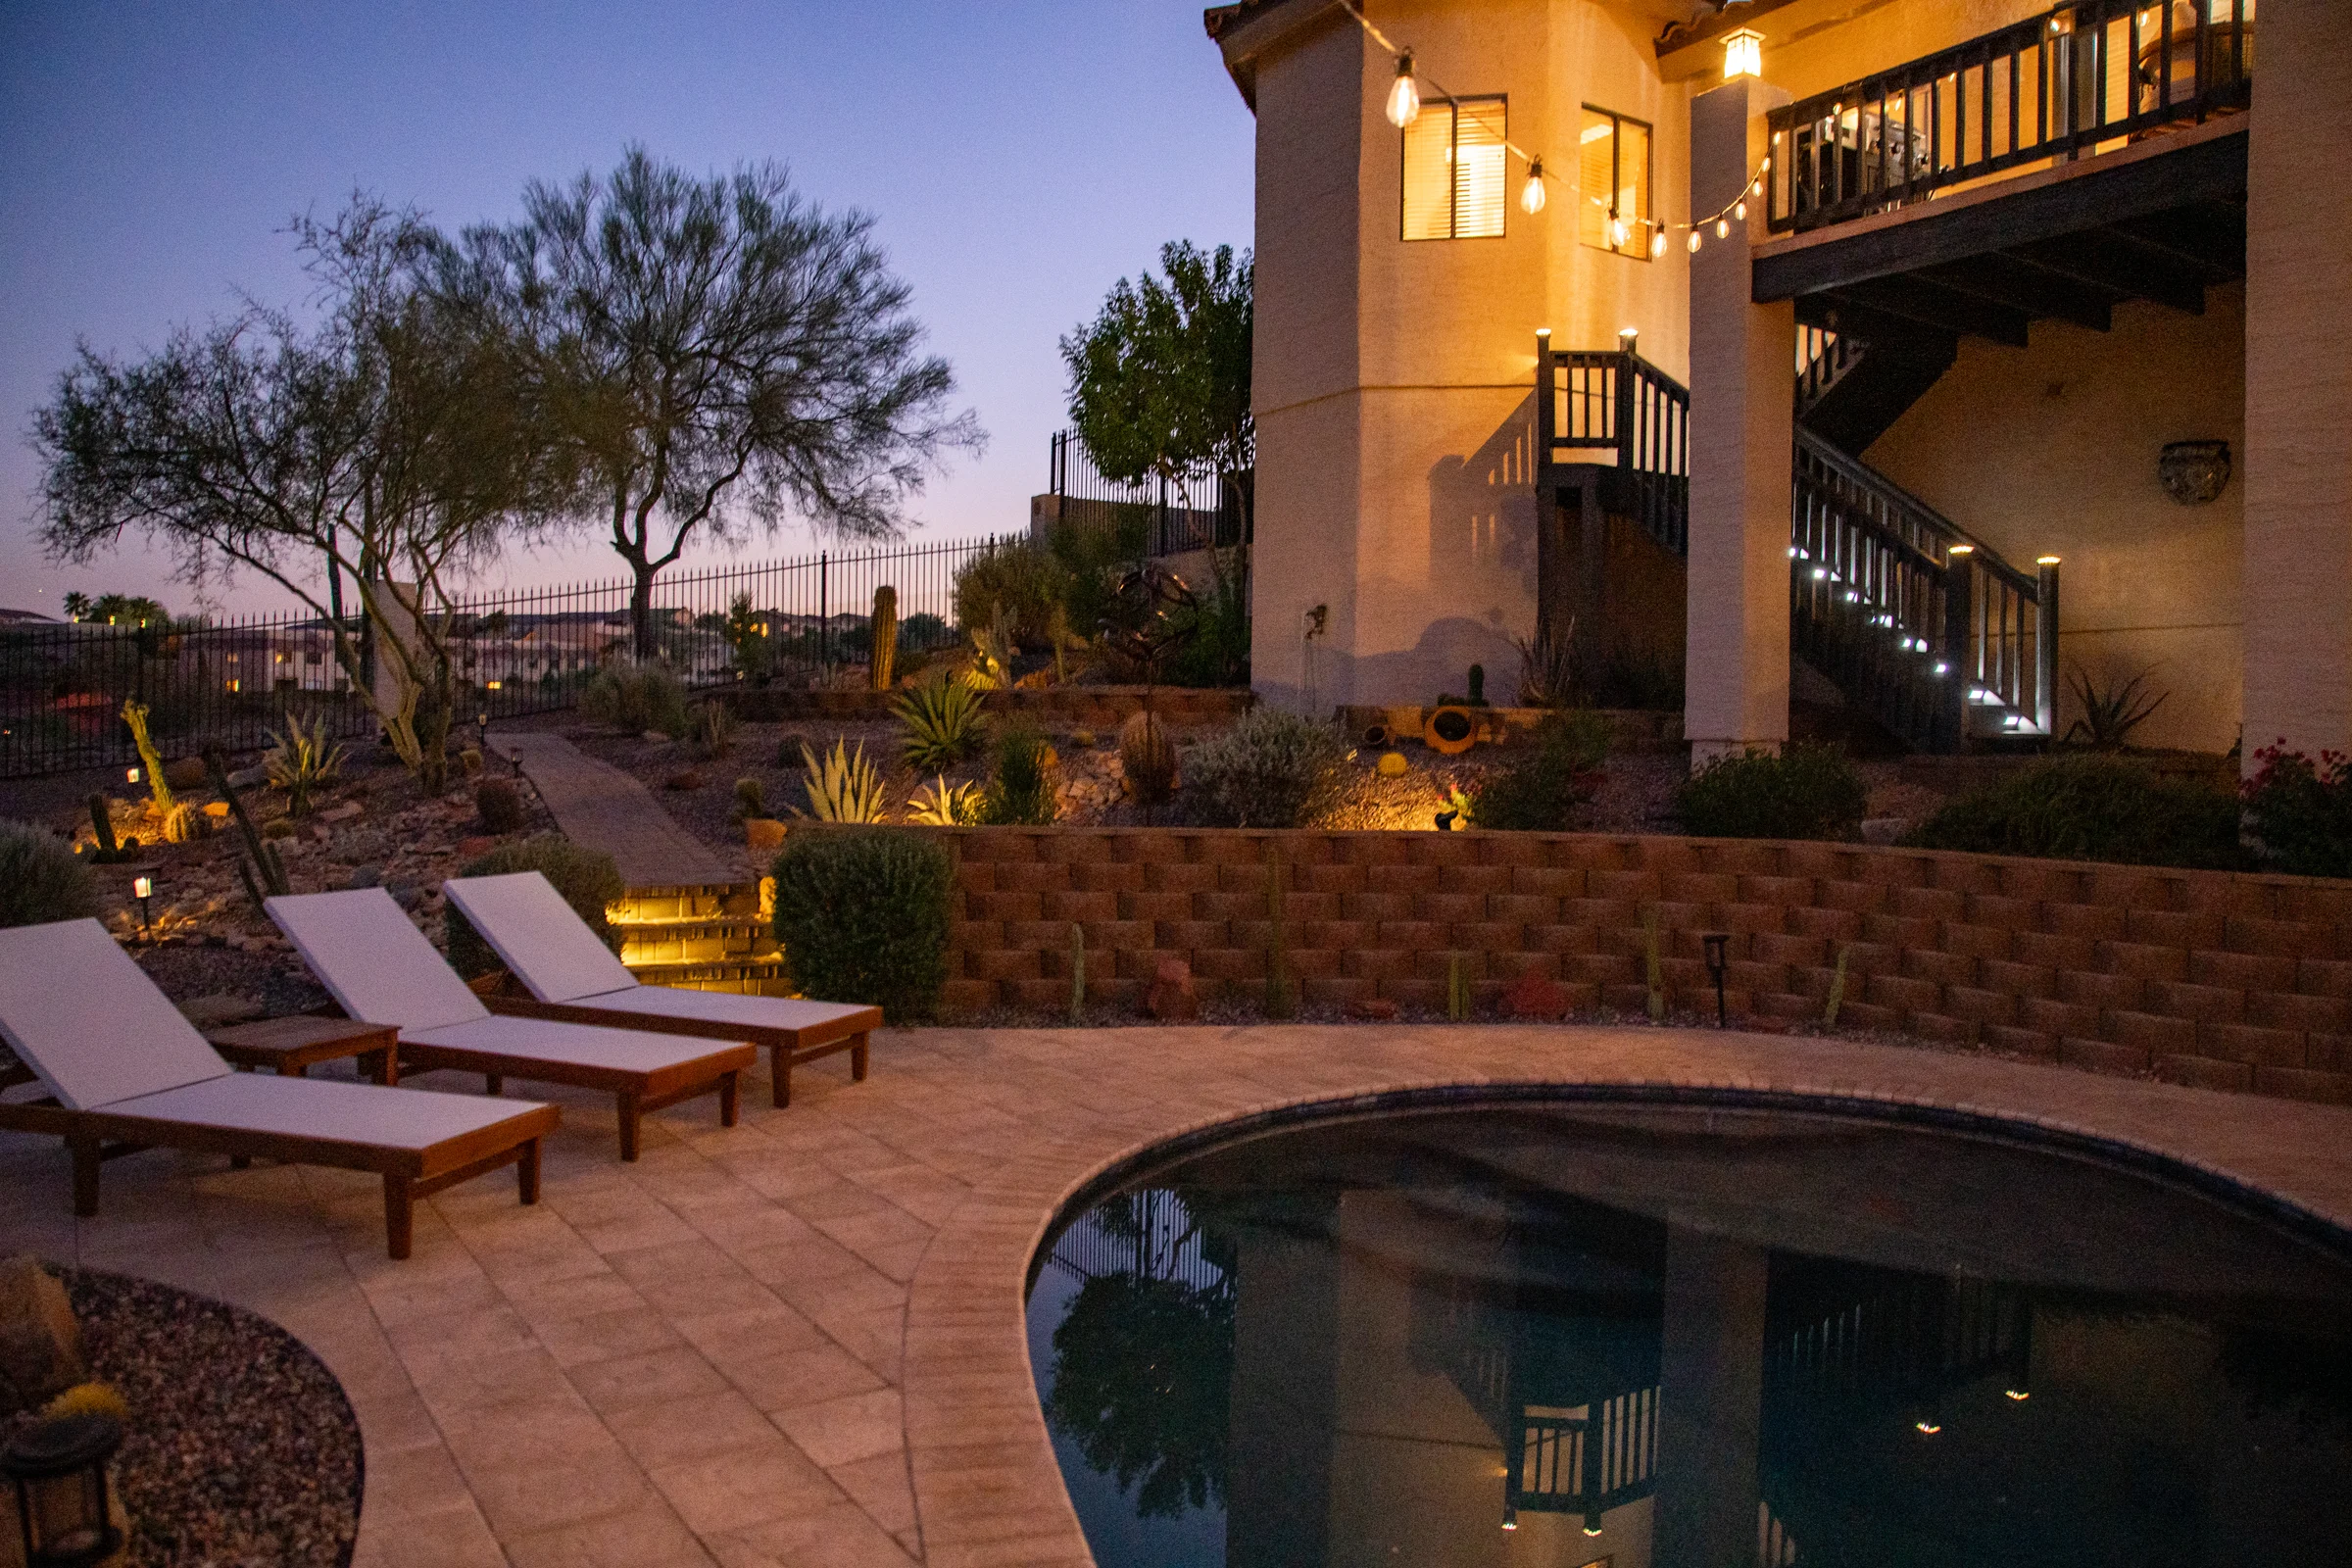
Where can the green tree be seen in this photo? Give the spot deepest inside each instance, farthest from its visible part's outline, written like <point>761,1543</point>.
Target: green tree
<point>1160,380</point>
<point>722,352</point>
<point>387,444</point>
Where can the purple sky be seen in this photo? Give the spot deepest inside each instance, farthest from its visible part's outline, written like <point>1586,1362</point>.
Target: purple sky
<point>1018,155</point>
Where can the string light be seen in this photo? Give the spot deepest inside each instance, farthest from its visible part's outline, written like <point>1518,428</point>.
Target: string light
<point>1531,194</point>
<point>1693,242</point>
<point>1405,98</point>
<point>1618,233</point>
<point>1722,228</point>
<point>1657,243</point>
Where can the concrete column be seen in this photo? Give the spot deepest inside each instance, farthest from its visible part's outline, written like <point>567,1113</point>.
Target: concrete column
<point>1285,1385</point>
<point>2297,463</point>
<point>1710,1402</point>
<point>1742,371</point>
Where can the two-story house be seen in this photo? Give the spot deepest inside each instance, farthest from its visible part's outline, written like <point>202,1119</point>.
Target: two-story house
<point>1809,343</point>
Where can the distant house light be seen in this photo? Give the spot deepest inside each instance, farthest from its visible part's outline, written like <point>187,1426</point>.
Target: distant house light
<point>1743,54</point>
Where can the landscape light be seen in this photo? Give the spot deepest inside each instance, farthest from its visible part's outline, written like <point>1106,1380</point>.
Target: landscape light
<point>133,775</point>
<point>1405,98</point>
<point>142,888</point>
<point>2019,1394</point>
<point>1743,54</point>
<point>1531,194</point>
<point>64,1503</point>
<point>1927,1428</point>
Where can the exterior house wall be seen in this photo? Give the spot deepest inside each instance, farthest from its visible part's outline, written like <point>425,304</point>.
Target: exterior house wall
<point>2051,450</point>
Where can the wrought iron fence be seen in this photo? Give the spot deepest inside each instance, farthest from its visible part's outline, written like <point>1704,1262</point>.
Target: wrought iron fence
<point>62,686</point>
<point>1196,510</point>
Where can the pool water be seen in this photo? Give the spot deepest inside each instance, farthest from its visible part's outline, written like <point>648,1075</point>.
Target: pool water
<point>1640,1336</point>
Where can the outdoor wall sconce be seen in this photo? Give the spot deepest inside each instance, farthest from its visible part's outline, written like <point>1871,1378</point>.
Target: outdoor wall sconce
<point>63,1503</point>
<point>2193,472</point>
<point>1743,54</point>
<point>1718,949</point>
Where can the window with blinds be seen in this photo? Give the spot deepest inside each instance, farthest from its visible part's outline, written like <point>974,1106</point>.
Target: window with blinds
<point>1453,170</point>
<point>1613,169</point>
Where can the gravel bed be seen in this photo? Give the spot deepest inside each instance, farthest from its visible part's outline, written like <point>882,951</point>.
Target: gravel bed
<point>241,1447</point>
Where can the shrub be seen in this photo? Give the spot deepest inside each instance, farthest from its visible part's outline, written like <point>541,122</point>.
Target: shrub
<point>1021,791</point>
<point>1212,644</point>
<point>943,721</point>
<point>751,800</point>
<point>632,695</point>
<point>864,917</point>
<point>2090,809</point>
<point>587,879</point>
<point>711,726</point>
<point>1807,791</point>
<point>1548,780</point>
<point>844,788</point>
<point>1271,769</point>
<point>41,880</point>
<point>2300,813</point>
<point>1022,584</point>
<point>500,804</point>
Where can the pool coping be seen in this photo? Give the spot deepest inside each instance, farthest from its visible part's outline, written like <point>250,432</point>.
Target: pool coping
<point>987,1487</point>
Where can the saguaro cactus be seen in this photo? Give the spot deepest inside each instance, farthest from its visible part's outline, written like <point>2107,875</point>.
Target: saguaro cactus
<point>886,636</point>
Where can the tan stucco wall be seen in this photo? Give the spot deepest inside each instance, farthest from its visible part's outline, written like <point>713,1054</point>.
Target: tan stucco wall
<point>2052,449</point>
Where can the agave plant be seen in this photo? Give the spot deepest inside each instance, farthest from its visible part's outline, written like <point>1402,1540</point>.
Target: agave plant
<point>1548,673</point>
<point>945,804</point>
<point>943,722</point>
<point>300,760</point>
<point>992,656</point>
<point>2112,712</point>
<point>844,788</point>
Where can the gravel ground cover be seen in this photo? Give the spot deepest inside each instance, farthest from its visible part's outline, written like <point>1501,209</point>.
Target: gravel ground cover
<point>241,1447</point>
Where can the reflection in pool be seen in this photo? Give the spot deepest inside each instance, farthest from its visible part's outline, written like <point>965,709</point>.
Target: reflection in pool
<point>1690,1338</point>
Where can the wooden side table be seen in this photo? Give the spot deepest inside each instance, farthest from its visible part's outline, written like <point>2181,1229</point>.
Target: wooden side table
<point>291,1045</point>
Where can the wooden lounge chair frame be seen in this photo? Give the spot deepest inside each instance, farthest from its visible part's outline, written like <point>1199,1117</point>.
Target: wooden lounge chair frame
<point>96,1136</point>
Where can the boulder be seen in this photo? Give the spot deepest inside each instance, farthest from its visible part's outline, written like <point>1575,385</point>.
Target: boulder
<point>185,773</point>
<point>366,876</point>
<point>1173,996</point>
<point>1377,1009</point>
<point>1535,996</point>
<point>40,1342</point>
<point>341,811</point>
<point>691,779</point>
<point>478,846</point>
<point>763,835</point>
<point>249,778</point>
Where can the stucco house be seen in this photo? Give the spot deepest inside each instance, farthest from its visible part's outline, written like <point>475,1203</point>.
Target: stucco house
<point>1837,341</point>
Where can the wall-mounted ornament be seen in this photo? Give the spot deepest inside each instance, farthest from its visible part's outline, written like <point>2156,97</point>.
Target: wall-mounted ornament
<point>2193,472</point>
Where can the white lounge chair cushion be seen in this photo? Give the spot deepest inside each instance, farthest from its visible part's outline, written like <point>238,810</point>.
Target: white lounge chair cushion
<point>542,940</point>
<point>85,1018</point>
<point>325,1107</point>
<point>583,1044</point>
<point>721,1007</point>
<point>378,965</point>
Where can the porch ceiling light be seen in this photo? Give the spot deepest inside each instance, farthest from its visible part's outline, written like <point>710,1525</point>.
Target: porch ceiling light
<point>1405,98</point>
<point>1743,54</point>
<point>1531,194</point>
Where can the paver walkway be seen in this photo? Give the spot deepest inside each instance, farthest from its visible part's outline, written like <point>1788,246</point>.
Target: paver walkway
<point>598,805</point>
<point>801,1341</point>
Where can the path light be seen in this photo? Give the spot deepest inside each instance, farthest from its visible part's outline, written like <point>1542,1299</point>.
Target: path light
<point>1743,54</point>
<point>131,775</point>
<point>58,1467</point>
<point>1405,98</point>
<point>1718,946</point>
<point>142,888</point>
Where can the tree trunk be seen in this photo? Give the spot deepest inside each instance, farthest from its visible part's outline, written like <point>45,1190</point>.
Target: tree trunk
<point>641,611</point>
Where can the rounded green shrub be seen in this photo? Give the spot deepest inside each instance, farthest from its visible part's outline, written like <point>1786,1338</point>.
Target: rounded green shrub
<point>2299,812</point>
<point>1807,792</point>
<point>1548,778</point>
<point>41,880</point>
<point>1022,790</point>
<point>632,695</point>
<point>2092,809</point>
<point>587,879</point>
<point>1269,770</point>
<point>1023,584</point>
<point>862,916</point>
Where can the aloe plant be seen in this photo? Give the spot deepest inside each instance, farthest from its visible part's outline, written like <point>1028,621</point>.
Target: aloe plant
<point>844,788</point>
<point>944,804</point>
<point>943,722</point>
<point>300,760</point>
<point>2113,710</point>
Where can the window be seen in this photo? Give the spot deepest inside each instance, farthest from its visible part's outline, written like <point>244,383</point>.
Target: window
<point>1613,167</point>
<point>1454,174</point>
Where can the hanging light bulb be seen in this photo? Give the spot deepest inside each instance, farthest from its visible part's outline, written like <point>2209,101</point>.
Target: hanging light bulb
<point>1405,98</point>
<point>1618,233</point>
<point>1531,194</point>
<point>1739,210</point>
<point>1657,244</point>
<point>1693,242</point>
<point>1722,228</point>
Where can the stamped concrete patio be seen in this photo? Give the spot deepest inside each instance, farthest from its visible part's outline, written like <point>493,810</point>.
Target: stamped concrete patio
<point>801,1341</point>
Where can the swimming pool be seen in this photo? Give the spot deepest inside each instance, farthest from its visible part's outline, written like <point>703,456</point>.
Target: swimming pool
<point>1690,1337</point>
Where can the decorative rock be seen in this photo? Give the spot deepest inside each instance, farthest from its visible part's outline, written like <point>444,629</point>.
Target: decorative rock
<point>249,778</point>
<point>655,735</point>
<point>1173,996</point>
<point>691,779</point>
<point>1379,1009</point>
<point>341,811</point>
<point>366,876</point>
<point>40,1342</point>
<point>217,810</point>
<point>1535,996</point>
<point>219,1010</point>
<point>1393,764</point>
<point>407,895</point>
<point>1884,829</point>
<point>476,846</point>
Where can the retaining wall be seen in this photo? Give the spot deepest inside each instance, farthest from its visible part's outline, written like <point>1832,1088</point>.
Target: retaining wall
<point>1098,706</point>
<point>2228,981</point>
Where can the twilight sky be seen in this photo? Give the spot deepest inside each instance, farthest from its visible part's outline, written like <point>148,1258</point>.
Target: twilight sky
<point>1018,156</point>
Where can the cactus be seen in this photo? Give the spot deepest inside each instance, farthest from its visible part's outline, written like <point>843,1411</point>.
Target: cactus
<point>1279,1001</point>
<point>1478,686</point>
<point>1077,971</point>
<point>750,799</point>
<point>886,637</point>
<point>105,827</point>
<point>1458,989</point>
<point>261,870</point>
<point>1829,1013</point>
<point>1653,966</point>
<point>1148,759</point>
<point>159,789</point>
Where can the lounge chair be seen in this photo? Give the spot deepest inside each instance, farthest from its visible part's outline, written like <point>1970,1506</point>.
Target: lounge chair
<point>125,1072</point>
<point>379,967</point>
<point>570,975</point>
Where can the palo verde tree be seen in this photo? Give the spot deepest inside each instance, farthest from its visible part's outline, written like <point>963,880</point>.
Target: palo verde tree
<point>1160,380</point>
<point>718,352</point>
<point>387,442</point>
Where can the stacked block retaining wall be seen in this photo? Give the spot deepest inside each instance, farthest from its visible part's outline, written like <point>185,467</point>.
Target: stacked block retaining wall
<point>2229,981</point>
<point>1096,706</point>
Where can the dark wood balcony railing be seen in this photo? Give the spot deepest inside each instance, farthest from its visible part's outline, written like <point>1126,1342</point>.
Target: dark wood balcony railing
<point>1618,410</point>
<point>2060,85</point>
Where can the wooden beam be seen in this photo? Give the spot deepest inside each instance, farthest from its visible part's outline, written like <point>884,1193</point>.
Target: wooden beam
<point>1881,330</point>
<point>1914,299</point>
<point>2021,286</point>
<point>2210,236</point>
<point>2110,262</point>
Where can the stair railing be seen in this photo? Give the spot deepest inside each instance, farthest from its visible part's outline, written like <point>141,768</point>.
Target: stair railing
<point>1821,357</point>
<point>1615,409</point>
